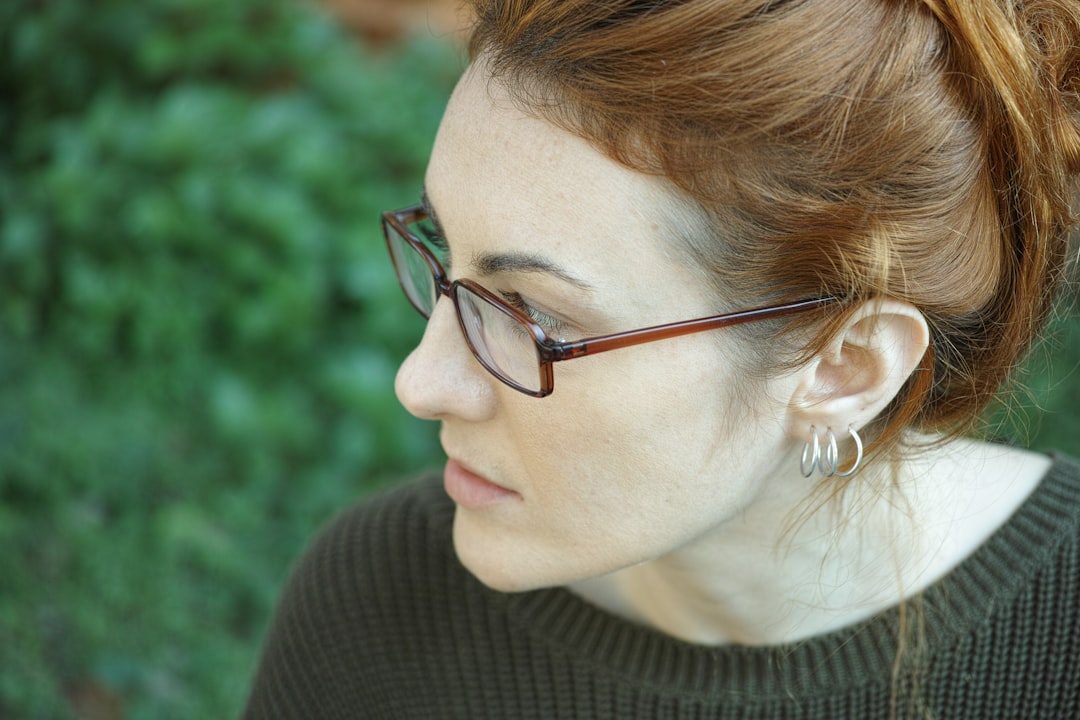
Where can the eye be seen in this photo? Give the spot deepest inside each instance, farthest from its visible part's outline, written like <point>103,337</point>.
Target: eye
<point>436,242</point>
<point>552,326</point>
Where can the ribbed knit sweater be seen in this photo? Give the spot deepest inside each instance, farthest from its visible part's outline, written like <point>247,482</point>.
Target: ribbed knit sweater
<point>380,620</point>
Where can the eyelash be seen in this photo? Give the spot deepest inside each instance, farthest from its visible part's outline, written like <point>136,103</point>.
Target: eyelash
<point>439,243</point>
<point>551,325</point>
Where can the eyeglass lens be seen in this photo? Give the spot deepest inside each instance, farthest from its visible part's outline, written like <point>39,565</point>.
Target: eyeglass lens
<point>500,343</point>
<point>413,273</point>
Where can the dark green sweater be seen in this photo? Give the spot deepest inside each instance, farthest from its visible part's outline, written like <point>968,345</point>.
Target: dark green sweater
<point>381,621</point>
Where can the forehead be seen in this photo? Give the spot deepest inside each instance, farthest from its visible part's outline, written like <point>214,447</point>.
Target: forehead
<point>505,180</point>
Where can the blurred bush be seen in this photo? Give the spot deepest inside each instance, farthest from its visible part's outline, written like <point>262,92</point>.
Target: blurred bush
<point>199,330</point>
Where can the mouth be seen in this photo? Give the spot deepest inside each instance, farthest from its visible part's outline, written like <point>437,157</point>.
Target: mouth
<point>472,490</point>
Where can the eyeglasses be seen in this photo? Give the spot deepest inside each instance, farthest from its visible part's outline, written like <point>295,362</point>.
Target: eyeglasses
<point>505,340</point>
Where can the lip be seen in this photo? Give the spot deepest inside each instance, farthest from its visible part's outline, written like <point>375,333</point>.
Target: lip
<point>473,491</point>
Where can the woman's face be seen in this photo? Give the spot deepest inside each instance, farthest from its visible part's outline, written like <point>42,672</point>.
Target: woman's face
<point>638,452</point>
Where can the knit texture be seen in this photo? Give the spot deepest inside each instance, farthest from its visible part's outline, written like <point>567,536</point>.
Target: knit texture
<point>380,620</point>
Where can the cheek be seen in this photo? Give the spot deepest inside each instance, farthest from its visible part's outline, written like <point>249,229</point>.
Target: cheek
<point>636,432</point>
<point>624,463</point>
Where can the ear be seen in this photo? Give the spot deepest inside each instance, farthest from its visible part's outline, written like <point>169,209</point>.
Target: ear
<point>862,368</point>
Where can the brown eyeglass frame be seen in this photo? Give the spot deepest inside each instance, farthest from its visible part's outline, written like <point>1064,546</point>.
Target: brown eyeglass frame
<point>551,351</point>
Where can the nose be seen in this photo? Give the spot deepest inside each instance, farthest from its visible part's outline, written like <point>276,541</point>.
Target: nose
<point>440,378</point>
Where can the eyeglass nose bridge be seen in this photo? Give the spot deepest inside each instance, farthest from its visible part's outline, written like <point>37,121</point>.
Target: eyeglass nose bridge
<point>444,288</point>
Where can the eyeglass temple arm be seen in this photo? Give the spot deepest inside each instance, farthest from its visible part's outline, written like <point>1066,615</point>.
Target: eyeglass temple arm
<point>570,350</point>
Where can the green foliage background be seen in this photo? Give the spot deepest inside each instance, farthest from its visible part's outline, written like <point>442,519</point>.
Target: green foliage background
<point>199,331</point>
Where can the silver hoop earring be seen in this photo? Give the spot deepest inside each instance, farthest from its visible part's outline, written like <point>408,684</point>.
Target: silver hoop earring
<point>858,454</point>
<point>815,454</point>
<point>831,459</point>
<point>828,461</point>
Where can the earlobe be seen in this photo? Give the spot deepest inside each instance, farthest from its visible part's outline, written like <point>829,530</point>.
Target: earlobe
<point>862,368</point>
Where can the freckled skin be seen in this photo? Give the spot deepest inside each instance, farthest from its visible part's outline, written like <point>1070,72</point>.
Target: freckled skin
<point>638,451</point>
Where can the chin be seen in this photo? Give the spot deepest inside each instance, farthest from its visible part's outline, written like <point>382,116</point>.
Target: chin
<point>497,576</point>
<point>498,567</point>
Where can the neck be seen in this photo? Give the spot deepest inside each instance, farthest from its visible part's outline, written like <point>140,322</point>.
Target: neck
<point>791,566</point>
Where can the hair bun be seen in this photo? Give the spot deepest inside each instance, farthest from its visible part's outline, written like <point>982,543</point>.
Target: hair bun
<point>1053,27</point>
<point>1027,54</point>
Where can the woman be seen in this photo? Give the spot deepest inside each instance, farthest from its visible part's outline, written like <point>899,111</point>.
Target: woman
<point>771,511</point>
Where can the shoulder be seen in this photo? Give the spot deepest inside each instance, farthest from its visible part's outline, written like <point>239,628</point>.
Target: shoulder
<point>1065,469</point>
<point>1044,528</point>
<point>1004,622</point>
<point>1027,568</point>
<point>362,564</point>
<point>1053,510</point>
<point>362,600</point>
<point>378,536</point>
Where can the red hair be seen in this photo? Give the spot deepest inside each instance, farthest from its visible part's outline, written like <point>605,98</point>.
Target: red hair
<point>924,151</point>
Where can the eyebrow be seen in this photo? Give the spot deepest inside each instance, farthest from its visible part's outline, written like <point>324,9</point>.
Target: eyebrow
<point>491,263</point>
